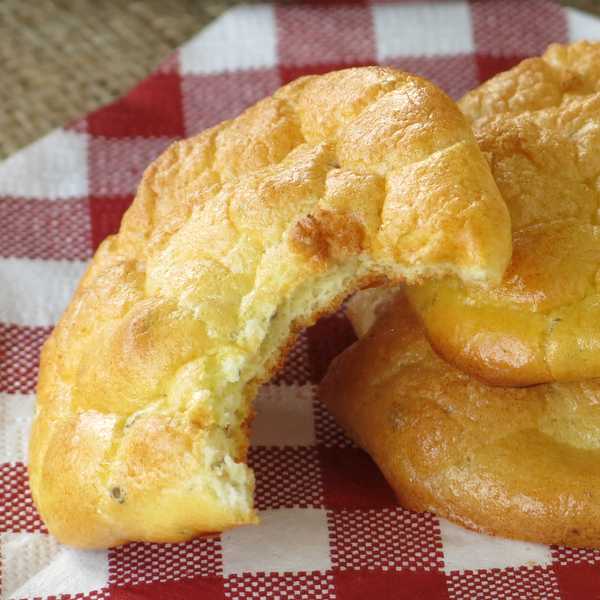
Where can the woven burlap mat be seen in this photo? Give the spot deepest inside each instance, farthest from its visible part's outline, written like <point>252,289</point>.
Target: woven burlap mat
<point>63,58</point>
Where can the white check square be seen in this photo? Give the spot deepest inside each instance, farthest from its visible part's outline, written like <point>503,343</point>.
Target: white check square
<point>466,550</point>
<point>243,38</point>
<point>582,26</point>
<point>53,167</point>
<point>284,416</point>
<point>35,564</point>
<point>422,29</point>
<point>35,292</point>
<point>16,415</point>
<point>286,540</point>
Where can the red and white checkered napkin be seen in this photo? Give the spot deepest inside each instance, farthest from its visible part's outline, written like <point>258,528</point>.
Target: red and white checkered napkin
<point>330,527</point>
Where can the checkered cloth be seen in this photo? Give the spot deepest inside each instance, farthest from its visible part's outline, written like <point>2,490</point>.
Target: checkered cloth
<point>330,527</point>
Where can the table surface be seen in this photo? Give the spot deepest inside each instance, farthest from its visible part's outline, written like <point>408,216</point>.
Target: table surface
<point>62,58</point>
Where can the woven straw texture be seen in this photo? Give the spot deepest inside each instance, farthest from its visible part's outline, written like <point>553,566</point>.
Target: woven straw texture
<point>62,58</point>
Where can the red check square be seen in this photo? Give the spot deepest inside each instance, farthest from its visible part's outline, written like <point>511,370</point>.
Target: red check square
<point>505,584</point>
<point>210,99</point>
<point>290,72</point>
<point>325,34</point>
<point>20,347</point>
<point>388,539</point>
<point>296,368</point>
<point>18,513</point>
<point>454,74</point>
<point>106,214</point>
<point>326,339</point>
<point>352,480</point>
<point>327,431</point>
<point>116,166</point>
<point>399,585</point>
<point>314,585</point>
<point>207,588</point>
<point>138,563</point>
<point>46,229</point>
<point>489,65</point>
<point>153,108</point>
<point>575,556</point>
<point>578,581</point>
<point>286,477</point>
<point>513,28</point>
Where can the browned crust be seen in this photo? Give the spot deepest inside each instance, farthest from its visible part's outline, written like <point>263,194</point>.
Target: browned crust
<point>538,126</point>
<point>331,177</point>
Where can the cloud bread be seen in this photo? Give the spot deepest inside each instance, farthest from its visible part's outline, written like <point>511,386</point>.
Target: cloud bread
<point>516,462</point>
<point>539,126</point>
<point>237,239</point>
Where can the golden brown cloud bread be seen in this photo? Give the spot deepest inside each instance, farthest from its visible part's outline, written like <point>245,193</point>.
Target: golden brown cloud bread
<point>238,238</point>
<point>539,126</point>
<point>517,462</point>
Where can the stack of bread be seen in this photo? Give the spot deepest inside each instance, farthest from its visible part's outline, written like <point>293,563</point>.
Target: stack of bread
<point>483,405</point>
<point>245,234</point>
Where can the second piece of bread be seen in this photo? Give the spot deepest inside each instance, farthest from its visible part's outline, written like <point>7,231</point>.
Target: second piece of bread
<point>522,463</point>
<point>539,126</point>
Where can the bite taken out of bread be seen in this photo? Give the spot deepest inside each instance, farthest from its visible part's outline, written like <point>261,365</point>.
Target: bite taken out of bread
<point>236,240</point>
